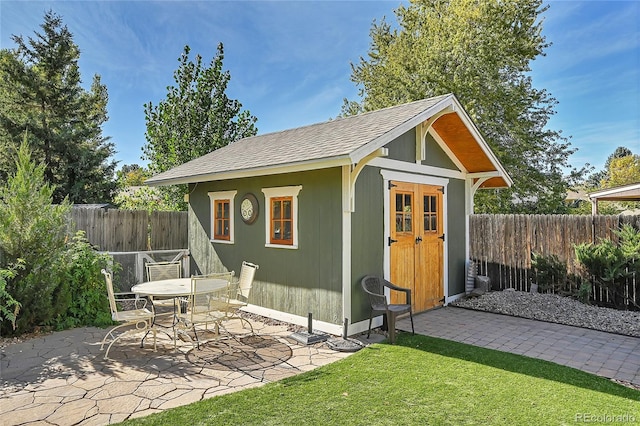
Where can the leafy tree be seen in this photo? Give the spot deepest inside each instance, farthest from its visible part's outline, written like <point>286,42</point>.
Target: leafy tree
<point>596,180</point>
<point>41,93</point>
<point>133,195</point>
<point>32,234</point>
<point>621,168</point>
<point>196,118</point>
<point>622,171</point>
<point>131,175</point>
<point>481,52</point>
<point>142,198</point>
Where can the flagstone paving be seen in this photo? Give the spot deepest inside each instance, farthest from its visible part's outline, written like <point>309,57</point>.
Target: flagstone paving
<point>62,378</point>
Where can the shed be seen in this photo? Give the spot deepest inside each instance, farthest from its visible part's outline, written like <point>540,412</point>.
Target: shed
<point>318,207</point>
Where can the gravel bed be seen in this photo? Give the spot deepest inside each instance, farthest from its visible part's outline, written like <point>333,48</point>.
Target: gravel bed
<point>554,308</point>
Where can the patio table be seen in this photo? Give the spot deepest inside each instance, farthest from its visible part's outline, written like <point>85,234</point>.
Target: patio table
<point>174,288</point>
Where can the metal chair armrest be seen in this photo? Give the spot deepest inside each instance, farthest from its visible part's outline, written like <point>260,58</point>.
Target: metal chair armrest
<point>128,296</point>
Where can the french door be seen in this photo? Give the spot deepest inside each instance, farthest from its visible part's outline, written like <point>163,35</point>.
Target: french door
<point>417,243</point>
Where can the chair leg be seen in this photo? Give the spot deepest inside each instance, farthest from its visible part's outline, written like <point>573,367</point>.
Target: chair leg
<point>127,333</point>
<point>370,320</point>
<point>238,317</point>
<point>412,329</point>
<point>155,338</point>
<point>392,327</point>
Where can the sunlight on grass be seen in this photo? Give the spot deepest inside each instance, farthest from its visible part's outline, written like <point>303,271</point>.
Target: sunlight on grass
<point>421,380</point>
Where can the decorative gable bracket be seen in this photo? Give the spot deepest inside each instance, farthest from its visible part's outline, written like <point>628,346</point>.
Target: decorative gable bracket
<point>423,129</point>
<point>350,175</point>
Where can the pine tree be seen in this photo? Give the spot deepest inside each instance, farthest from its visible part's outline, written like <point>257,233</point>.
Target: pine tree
<point>41,94</point>
<point>32,234</point>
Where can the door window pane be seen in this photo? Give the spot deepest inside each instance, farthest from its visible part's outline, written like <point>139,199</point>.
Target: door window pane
<point>430,213</point>
<point>404,217</point>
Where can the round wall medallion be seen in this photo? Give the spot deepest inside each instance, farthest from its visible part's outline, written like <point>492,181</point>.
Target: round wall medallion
<point>249,208</point>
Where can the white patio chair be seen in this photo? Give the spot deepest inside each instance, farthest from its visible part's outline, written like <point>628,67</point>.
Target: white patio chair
<point>163,271</point>
<point>239,293</point>
<point>141,319</point>
<point>205,305</point>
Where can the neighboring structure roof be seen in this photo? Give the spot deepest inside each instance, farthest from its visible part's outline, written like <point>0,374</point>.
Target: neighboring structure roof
<point>577,195</point>
<point>339,142</point>
<point>629,192</point>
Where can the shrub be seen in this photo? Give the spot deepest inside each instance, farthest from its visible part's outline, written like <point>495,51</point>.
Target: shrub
<point>32,230</point>
<point>81,266</point>
<point>612,266</point>
<point>549,272</point>
<point>9,307</point>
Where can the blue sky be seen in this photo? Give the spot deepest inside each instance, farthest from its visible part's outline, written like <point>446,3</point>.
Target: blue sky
<point>290,61</point>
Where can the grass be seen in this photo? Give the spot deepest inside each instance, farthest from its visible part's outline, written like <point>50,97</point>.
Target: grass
<point>420,380</point>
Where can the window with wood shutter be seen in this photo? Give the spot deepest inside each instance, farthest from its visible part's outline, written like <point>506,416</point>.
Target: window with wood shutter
<point>222,217</point>
<point>221,220</point>
<point>281,221</point>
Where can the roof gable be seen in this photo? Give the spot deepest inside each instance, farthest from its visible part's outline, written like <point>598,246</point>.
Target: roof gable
<point>337,142</point>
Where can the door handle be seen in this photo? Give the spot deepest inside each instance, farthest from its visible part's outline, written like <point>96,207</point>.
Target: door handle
<point>418,240</point>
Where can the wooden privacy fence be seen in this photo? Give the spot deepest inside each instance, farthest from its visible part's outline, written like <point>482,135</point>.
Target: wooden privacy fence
<point>116,230</point>
<point>502,244</point>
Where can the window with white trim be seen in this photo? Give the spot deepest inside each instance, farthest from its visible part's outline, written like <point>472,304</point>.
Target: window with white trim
<point>281,216</point>
<point>222,208</point>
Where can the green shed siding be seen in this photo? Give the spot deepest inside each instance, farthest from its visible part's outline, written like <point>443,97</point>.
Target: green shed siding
<point>456,236</point>
<point>436,157</point>
<point>296,281</point>
<point>367,242</point>
<point>403,148</point>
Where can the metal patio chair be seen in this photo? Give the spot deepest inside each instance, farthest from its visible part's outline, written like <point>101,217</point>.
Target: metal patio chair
<point>163,271</point>
<point>140,318</point>
<point>238,296</point>
<point>374,287</point>
<point>206,305</point>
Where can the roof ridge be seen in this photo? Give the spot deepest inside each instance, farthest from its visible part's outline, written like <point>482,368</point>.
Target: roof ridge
<point>320,123</point>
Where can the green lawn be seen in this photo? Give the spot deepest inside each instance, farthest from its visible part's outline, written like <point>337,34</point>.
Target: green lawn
<point>421,380</point>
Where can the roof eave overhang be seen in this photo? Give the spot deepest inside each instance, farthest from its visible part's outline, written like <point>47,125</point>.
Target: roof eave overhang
<point>301,166</point>
<point>485,176</point>
<point>499,169</point>
<point>615,194</point>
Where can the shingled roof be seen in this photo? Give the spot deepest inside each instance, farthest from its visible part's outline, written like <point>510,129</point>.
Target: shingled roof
<point>333,143</point>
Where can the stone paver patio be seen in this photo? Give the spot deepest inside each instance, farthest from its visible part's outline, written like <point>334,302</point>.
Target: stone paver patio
<point>62,378</point>
<point>606,354</point>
